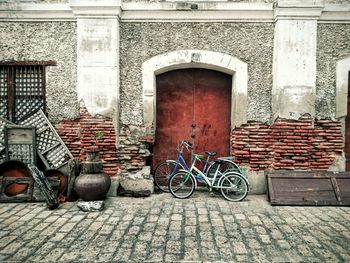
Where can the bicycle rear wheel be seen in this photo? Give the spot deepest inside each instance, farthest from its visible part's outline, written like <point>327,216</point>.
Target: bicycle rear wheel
<point>234,187</point>
<point>163,172</point>
<point>181,185</point>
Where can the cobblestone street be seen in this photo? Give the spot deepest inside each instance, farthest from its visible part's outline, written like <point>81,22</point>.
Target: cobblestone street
<point>203,228</point>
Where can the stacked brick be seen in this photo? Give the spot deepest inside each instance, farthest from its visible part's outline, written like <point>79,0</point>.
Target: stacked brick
<point>132,152</point>
<point>79,136</point>
<point>288,144</point>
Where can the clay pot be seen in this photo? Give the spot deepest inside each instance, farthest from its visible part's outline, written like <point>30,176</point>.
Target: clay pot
<point>92,184</point>
<point>92,187</point>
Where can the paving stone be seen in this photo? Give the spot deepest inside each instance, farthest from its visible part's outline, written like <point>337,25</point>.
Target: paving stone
<point>4,241</point>
<point>21,254</point>
<point>69,256</point>
<point>122,254</point>
<point>158,241</point>
<point>203,228</point>
<point>239,248</point>
<point>67,227</point>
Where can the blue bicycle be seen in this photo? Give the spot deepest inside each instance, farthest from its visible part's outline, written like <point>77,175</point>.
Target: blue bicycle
<point>167,168</point>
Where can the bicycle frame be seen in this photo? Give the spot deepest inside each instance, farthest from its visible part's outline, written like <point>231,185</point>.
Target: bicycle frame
<point>201,175</point>
<point>180,159</point>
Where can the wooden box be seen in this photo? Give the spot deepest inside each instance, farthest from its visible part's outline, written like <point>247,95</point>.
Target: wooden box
<point>308,188</point>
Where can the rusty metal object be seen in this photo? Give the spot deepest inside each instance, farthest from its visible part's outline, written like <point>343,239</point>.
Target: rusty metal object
<point>15,169</point>
<point>17,183</point>
<point>92,184</point>
<point>62,178</point>
<point>44,186</point>
<point>192,103</point>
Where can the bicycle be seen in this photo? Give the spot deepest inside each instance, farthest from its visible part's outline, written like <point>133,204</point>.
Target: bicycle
<point>167,168</point>
<point>233,185</point>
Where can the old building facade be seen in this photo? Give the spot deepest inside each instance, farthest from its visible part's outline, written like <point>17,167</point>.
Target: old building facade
<point>128,67</point>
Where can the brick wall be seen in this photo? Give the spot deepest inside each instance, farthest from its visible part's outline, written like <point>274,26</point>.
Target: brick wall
<point>132,151</point>
<point>78,135</point>
<point>288,144</point>
<point>301,144</point>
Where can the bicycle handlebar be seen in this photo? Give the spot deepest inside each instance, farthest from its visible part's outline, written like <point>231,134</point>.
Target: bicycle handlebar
<point>187,144</point>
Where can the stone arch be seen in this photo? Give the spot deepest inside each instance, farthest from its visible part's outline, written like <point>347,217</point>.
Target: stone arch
<point>196,59</point>
<point>342,79</point>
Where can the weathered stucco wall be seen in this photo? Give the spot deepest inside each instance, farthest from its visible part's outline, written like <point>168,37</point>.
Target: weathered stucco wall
<point>246,1</point>
<point>249,1</point>
<point>47,41</point>
<point>250,42</point>
<point>333,44</point>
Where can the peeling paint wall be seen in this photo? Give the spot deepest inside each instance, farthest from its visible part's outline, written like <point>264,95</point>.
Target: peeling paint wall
<point>333,44</point>
<point>152,1</point>
<point>250,42</point>
<point>47,41</point>
<point>294,68</point>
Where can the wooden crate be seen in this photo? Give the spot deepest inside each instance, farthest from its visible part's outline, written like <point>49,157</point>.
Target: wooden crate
<point>308,188</point>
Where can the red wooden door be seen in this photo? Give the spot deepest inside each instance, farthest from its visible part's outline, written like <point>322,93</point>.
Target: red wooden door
<point>347,130</point>
<point>194,105</point>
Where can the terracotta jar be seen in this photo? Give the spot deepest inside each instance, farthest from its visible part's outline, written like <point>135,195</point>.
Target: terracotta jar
<point>92,184</point>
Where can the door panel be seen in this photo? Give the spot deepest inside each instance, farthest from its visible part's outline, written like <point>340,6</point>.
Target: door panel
<point>194,105</point>
<point>174,112</point>
<point>212,111</point>
<point>347,130</point>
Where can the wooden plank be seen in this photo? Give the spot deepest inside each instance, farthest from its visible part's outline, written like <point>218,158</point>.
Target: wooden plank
<point>20,135</point>
<point>344,189</point>
<point>308,188</point>
<point>28,63</point>
<point>336,188</point>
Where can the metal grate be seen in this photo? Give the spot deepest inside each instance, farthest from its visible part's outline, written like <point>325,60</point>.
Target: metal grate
<point>3,91</point>
<point>51,148</point>
<point>22,90</point>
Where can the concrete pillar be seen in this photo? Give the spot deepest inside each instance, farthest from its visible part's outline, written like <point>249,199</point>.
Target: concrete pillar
<point>98,55</point>
<point>294,58</point>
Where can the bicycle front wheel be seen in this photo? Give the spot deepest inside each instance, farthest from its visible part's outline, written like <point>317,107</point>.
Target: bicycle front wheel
<point>163,172</point>
<point>181,185</point>
<point>234,187</point>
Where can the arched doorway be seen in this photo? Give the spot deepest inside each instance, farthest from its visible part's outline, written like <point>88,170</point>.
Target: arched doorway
<point>234,68</point>
<point>192,104</point>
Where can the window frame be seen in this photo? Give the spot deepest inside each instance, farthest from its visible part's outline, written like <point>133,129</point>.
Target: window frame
<point>11,67</point>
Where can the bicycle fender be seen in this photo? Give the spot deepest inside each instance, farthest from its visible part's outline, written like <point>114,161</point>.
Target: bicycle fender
<point>194,178</point>
<point>222,177</point>
<point>174,161</point>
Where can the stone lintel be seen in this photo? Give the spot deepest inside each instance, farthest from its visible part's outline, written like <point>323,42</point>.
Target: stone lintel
<point>96,8</point>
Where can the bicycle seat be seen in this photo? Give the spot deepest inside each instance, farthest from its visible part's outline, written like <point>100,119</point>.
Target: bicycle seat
<point>211,153</point>
<point>198,156</point>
